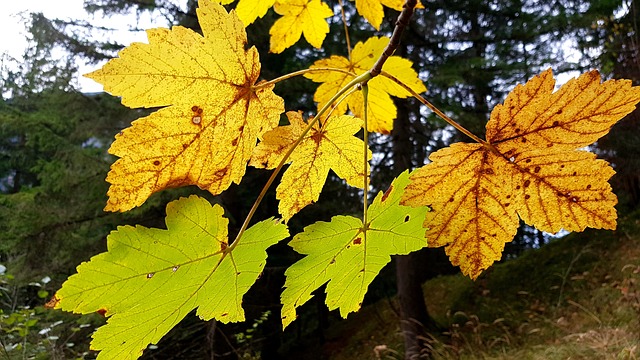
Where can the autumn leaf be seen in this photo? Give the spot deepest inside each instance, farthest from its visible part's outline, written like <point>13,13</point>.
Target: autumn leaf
<point>374,13</point>
<point>299,17</point>
<point>530,167</point>
<point>249,10</point>
<point>332,146</point>
<point>213,113</point>
<point>382,110</point>
<point>150,279</point>
<point>338,252</point>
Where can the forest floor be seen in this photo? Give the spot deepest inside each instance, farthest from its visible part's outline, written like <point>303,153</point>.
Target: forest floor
<point>576,298</point>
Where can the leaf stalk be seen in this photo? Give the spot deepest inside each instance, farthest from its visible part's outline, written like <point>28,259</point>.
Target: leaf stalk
<point>298,73</point>
<point>437,111</point>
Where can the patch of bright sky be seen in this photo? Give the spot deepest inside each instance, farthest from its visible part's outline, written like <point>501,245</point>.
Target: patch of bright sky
<point>14,13</point>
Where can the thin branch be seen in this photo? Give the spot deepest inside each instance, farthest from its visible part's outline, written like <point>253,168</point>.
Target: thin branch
<point>401,23</point>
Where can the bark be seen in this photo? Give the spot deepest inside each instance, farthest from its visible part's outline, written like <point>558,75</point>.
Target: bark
<point>415,321</point>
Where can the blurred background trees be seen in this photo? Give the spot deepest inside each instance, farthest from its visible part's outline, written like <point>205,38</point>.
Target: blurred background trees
<point>470,53</point>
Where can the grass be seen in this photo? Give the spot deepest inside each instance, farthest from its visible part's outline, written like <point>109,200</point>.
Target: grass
<point>576,298</point>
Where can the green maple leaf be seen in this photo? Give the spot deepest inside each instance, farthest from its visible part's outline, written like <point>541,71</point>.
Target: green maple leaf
<point>340,253</point>
<point>150,279</point>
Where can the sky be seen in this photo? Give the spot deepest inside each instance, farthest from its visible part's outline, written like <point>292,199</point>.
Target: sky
<point>13,30</point>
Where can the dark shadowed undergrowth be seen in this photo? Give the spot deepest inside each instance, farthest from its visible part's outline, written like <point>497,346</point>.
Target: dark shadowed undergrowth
<point>576,298</point>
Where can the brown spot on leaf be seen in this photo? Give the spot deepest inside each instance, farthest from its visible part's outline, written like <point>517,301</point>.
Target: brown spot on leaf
<point>536,169</point>
<point>221,173</point>
<point>317,137</point>
<point>556,123</point>
<point>357,241</point>
<point>526,197</point>
<point>527,183</point>
<point>234,142</point>
<point>52,303</point>
<point>156,163</point>
<point>386,193</point>
<point>588,186</point>
<point>406,218</point>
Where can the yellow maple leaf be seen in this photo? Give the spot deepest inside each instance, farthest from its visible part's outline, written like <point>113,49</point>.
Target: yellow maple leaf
<point>382,110</point>
<point>249,10</point>
<point>299,17</point>
<point>374,13</point>
<point>213,113</point>
<point>332,146</point>
<point>529,167</point>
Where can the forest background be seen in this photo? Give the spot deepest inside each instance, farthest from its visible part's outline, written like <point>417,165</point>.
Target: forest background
<point>53,159</point>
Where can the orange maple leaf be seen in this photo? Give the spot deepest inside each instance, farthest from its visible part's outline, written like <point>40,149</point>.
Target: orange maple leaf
<point>214,110</point>
<point>331,146</point>
<point>530,167</point>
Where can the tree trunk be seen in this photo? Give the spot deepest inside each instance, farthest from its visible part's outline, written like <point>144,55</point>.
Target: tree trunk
<point>414,317</point>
